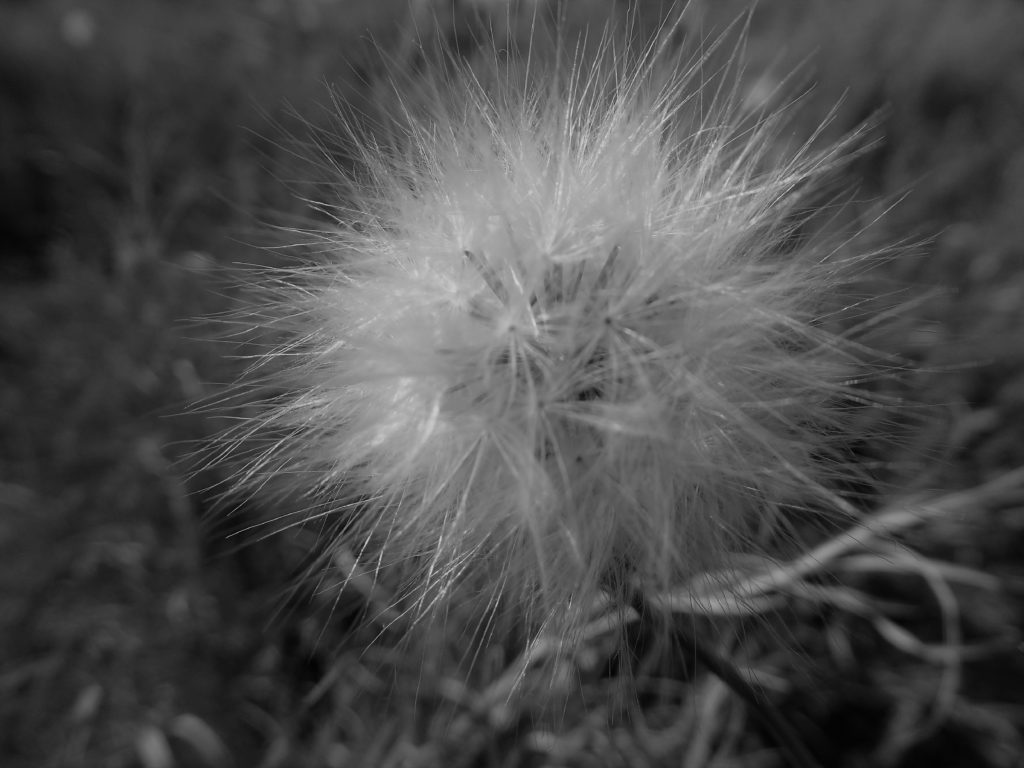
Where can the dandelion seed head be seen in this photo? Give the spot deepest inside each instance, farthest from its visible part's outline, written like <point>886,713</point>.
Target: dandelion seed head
<point>574,347</point>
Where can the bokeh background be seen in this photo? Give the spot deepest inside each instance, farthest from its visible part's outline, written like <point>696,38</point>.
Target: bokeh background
<point>148,148</point>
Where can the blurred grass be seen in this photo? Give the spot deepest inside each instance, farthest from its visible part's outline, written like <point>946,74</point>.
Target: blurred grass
<point>141,146</point>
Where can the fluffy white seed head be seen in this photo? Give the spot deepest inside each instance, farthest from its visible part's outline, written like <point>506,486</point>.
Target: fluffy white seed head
<point>567,340</point>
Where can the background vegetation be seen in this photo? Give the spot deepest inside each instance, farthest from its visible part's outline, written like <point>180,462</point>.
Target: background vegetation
<point>144,147</point>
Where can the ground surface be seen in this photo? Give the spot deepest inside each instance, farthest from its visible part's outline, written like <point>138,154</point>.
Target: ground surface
<point>142,148</point>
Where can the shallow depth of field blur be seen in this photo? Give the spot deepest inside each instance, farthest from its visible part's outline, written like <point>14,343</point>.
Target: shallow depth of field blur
<point>147,148</point>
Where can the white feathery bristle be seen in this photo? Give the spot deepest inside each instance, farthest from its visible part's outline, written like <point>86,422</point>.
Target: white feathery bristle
<point>568,340</point>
